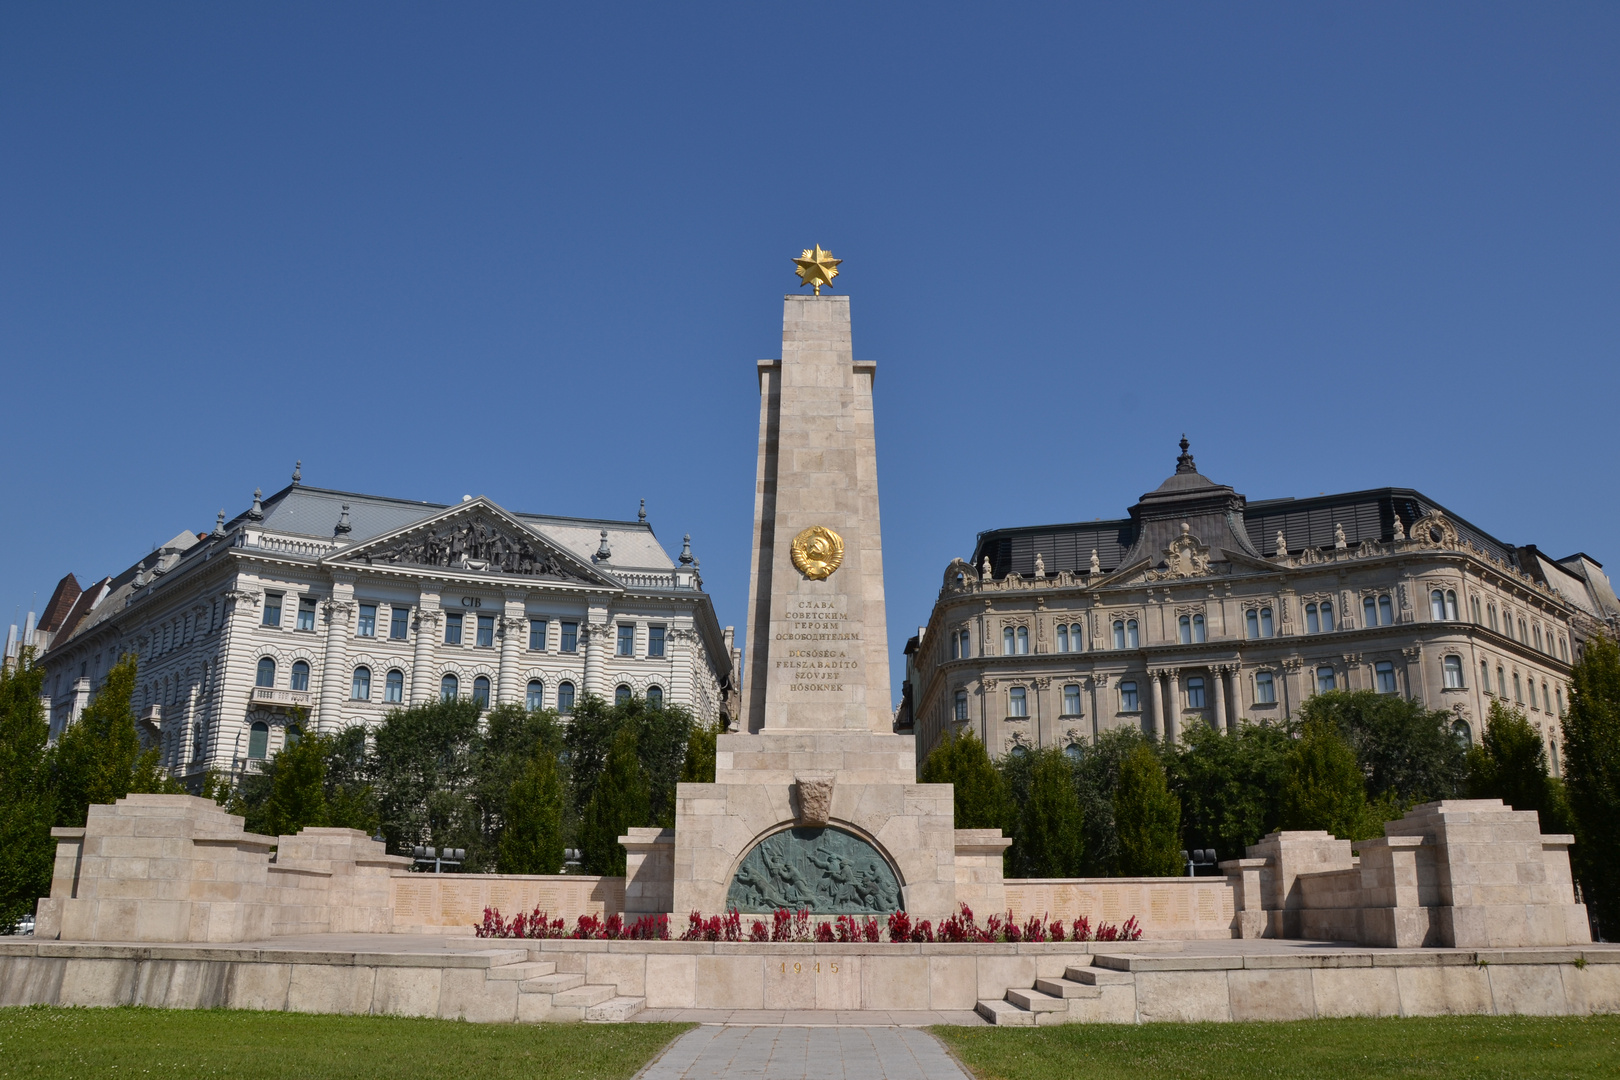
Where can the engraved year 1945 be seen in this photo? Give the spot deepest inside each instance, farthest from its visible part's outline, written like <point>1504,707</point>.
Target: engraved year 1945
<point>815,968</point>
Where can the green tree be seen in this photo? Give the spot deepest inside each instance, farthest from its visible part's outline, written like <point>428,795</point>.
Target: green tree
<point>1096,781</point>
<point>99,757</point>
<point>531,837</point>
<point>1592,778</point>
<point>698,766</point>
<point>424,775</point>
<point>1147,816</point>
<point>661,737</point>
<point>981,791</point>
<point>1230,786</point>
<point>1401,746</point>
<point>619,801</point>
<point>1324,788</point>
<point>298,788</point>
<point>512,735</point>
<point>1510,763</point>
<point>1050,837</point>
<point>27,853</point>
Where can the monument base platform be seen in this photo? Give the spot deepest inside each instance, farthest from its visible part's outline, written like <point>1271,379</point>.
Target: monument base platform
<point>1025,984</point>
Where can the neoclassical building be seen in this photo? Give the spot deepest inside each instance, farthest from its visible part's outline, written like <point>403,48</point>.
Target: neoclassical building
<point>1201,607</point>
<point>338,607</point>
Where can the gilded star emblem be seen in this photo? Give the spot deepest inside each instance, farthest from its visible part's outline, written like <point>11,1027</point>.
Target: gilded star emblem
<point>816,267</point>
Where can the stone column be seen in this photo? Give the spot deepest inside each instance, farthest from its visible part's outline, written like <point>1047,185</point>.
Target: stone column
<point>1158,705</point>
<point>339,610</point>
<point>513,626</point>
<point>1220,701</point>
<point>1172,715</point>
<point>597,628</point>
<point>428,621</point>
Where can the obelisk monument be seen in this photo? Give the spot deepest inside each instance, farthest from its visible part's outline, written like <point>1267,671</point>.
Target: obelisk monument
<point>815,804</point>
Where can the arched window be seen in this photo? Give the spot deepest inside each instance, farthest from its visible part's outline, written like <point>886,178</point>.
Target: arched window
<point>1485,676</point>
<point>655,697</point>
<point>1251,623</point>
<point>1076,637</point>
<point>961,705</point>
<point>1265,622</point>
<point>394,687</point>
<point>1071,700</point>
<point>1490,615</point>
<point>1327,617</point>
<point>1385,673</point>
<point>1451,604</point>
<point>1128,701</point>
<point>1473,604</point>
<point>967,645</point>
<point>1007,639</point>
<point>1546,698</point>
<point>1265,688</point>
<point>1552,756</point>
<point>1563,648</point>
<point>1119,633</point>
<point>1023,641</point>
<point>1324,679</point>
<point>1017,702</point>
<point>1369,611</point>
<point>621,695</point>
<point>1386,611</point>
<point>1018,750</point>
<point>1518,691</point>
<point>259,740</point>
<point>1313,624</point>
<point>295,734</point>
<point>1501,682</point>
<point>360,688</point>
<point>565,697</point>
<point>1195,692</point>
<point>449,688</point>
<point>1452,667</point>
<point>1559,694</point>
<point>1536,630</point>
<point>1437,605</point>
<point>300,675</point>
<point>1524,633</point>
<point>267,673</point>
<point>1063,637</point>
<point>956,646</point>
<point>1131,640</point>
<point>1460,732</point>
<point>1198,629</point>
<point>1074,751</point>
<point>481,691</point>
<point>1185,628</point>
<point>536,696</point>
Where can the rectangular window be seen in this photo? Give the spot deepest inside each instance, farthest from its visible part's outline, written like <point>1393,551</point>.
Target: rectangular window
<point>486,631</point>
<point>399,621</point>
<point>655,641</point>
<point>961,705</point>
<point>537,635</point>
<point>1071,700</point>
<point>570,637</point>
<point>1127,698</point>
<point>452,629</point>
<point>1195,693</point>
<point>368,620</point>
<point>1265,688</point>
<point>1324,679</point>
<point>1452,668</point>
<point>272,609</point>
<point>1386,676</point>
<point>306,613</point>
<point>1017,702</point>
<point>627,640</point>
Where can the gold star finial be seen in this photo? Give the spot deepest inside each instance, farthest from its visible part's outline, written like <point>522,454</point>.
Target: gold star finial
<point>816,267</point>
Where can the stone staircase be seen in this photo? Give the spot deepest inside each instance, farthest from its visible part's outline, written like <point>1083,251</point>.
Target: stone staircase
<point>544,993</point>
<point>1082,994</point>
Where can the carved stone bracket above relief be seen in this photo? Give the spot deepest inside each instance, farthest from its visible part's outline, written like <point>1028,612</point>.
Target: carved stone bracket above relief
<point>813,795</point>
<point>990,684</point>
<point>1292,664</point>
<point>1042,682</point>
<point>1098,680</point>
<point>428,618</point>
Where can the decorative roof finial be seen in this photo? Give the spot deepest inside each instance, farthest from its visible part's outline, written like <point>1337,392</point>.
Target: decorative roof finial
<point>1184,463</point>
<point>298,472</point>
<point>343,522</point>
<point>603,552</point>
<point>641,515</point>
<point>256,511</point>
<point>1096,564</point>
<point>219,522</point>
<point>686,550</point>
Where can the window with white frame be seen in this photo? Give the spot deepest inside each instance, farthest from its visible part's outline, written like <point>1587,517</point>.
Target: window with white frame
<point>565,697</point>
<point>621,695</point>
<point>655,697</point>
<point>1195,692</point>
<point>655,642</point>
<point>272,611</point>
<point>1518,689</point>
<point>1501,683</point>
<point>306,613</point>
<point>535,697</point>
<point>961,705</point>
<point>537,634</point>
<point>368,621</point>
<point>627,640</point>
<point>1071,700</point>
<point>1128,699</point>
<point>1062,637</point>
<point>452,629</point>
<point>1119,633</point>
<point>1017,702</point>
<point>481,692</point>
<point>300,675</point>
<point>1132,641</point>
<point>394,687</point>
<point>266,674</point>
<point>360,685</point>
<point>1023,641</point>
<point>1452,668</point>
<point>1325,680</point>
<point>486,631</point>
<point>449,688</point>
<point>1007,641</point>
<point>1265,688</point>
<point>1384,673</point>
<point>399,621</point>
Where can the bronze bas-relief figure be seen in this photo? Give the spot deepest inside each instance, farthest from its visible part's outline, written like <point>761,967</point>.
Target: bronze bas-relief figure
<point>826,871</point>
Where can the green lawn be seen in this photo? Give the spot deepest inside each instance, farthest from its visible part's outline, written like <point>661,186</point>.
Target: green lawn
<point>45,1042</point>
<point>1453,1048</point>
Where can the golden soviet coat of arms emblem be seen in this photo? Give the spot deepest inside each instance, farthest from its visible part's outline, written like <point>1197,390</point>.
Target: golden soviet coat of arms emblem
<point>817,552</point>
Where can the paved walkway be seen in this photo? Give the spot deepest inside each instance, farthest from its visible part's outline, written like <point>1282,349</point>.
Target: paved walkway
<point>715,1052</point>
<point>859,1018</point>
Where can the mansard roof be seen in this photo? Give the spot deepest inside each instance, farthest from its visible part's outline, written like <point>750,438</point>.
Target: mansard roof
<point>1223,520</point>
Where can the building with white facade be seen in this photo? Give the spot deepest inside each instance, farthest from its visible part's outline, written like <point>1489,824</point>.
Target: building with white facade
<point>337,607</point>
<point>1201,607</point>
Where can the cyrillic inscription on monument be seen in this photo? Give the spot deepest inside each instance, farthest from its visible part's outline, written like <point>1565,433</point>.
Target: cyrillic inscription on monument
<point>823,650</point>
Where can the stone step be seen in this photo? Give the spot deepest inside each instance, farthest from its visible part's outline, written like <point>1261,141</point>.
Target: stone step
<point>552,984</point>
<point>529,969</point>
<point>615,1009</point>
<point>1005,1014</point>
<point>585,996</point>
<point>1036,1001</point>
<point>1099,976</point>
<point>1066,988</point>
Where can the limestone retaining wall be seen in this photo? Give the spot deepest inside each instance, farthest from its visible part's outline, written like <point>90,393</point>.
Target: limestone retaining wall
<point>433,903</point>
<point>1165,908</point>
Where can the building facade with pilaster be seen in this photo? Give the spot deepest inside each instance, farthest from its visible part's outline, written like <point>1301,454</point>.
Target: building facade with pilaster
<point>328,608</point>
<point>1201,607</point>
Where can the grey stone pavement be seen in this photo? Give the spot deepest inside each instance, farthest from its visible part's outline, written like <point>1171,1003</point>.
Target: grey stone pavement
<point>731,1052</point>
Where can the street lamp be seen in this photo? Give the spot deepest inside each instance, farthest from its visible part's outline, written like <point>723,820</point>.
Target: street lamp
<point>438,859</point>
<point>1199,859</point>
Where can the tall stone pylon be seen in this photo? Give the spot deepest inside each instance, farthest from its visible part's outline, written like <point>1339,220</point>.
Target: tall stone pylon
<point>817,642</point>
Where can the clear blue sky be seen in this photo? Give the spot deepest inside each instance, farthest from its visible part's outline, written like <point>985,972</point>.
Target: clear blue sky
<point>533,253</point>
